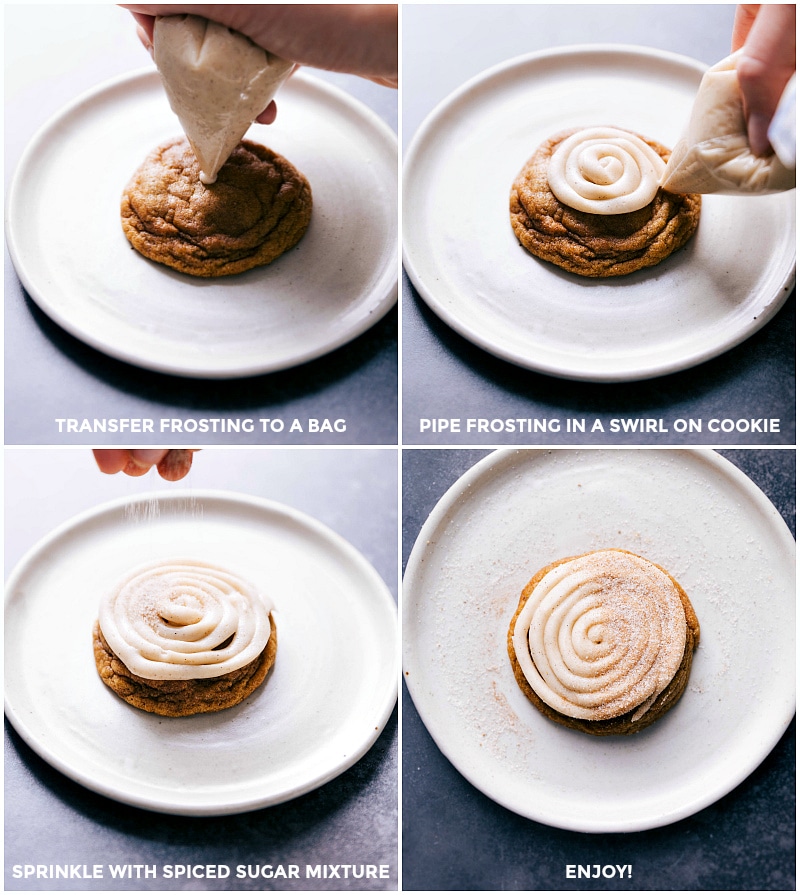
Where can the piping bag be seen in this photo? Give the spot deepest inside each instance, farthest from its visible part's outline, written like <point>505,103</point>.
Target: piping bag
<point>714,156</point>
<point>217,81</point>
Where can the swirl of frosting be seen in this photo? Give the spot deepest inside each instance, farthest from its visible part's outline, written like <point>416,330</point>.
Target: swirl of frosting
<point>601,635</point>
<point>184,620</point>
<point>603,170</point>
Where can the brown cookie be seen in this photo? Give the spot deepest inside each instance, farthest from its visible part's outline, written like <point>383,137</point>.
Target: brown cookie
<point>179,698</point>
<point>623,724</point>
<point>596,245</point>
<point>258,208</point>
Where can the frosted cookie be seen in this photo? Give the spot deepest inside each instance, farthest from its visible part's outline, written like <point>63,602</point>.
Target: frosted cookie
<point>589,201</point>
<point>603,642</point>
<point>184,637</point>
<point>258,208</point>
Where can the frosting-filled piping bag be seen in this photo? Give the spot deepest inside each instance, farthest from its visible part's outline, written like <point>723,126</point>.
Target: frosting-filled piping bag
<point>217,82</point>
<point>714,155</point>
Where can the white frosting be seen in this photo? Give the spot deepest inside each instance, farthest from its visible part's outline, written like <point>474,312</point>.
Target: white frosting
<point>601,635</point>
<point>603,170</point>
<point>184,620</point>
<point>217,82</point>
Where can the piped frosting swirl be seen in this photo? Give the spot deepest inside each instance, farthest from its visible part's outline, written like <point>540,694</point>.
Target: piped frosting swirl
<point>604,170</point>
<point>601,635</point>
<point>184,620</point>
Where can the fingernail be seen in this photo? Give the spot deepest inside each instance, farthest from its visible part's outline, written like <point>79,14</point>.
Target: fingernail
<point>135,469</point>
<point>147,458</point>
<point>175,465</point>
<point>757,128</point>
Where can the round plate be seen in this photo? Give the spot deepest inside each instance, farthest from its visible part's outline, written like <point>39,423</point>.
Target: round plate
<point>323,705</point>
<point>515,511</point>
<point>69,250</point>
<point>464,259</point>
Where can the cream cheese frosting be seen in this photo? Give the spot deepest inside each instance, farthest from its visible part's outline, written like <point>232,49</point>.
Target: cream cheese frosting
<point>604,170</point>
<point>601,635</point>
<point>184,620</point>
<point>217,82</point>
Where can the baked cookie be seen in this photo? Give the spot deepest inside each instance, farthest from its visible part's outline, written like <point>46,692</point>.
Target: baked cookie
<point>589,201</point>
<point>258,208</point>
<point>603,642</point>
<point>180,638</point>
<point>177,699</point>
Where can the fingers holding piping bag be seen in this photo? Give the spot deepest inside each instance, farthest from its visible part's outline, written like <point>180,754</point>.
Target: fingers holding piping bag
<point>145,25</point>
<point>358,39</point>
<point>221,65</point>
<point>726,146</point>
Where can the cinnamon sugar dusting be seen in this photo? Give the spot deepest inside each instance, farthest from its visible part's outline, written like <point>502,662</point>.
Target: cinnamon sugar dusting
<point>184,620</point>
<point>601,634</point>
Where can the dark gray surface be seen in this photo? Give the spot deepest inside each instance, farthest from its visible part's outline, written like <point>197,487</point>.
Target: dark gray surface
<point>454,837</point>
<point>49,374</point>
<point>755,380</point>
<point>351,820</point>
<point>66,379</point>
<point>49,819</point>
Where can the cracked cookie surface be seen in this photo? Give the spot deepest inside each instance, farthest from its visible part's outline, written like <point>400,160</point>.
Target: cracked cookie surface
<point>596,245</point>
<point>258,208</point>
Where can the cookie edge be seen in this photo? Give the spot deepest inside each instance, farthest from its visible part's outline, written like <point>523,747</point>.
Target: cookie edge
<point>623,725</point>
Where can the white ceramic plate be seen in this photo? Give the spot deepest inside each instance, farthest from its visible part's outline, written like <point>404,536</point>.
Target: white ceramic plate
<point>323,705</point>
<point>464,259</point>
<point>68,248</point>
<point>514,512</point>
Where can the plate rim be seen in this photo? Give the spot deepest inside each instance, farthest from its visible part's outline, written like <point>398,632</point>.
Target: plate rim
<point>508,353</point>
<point>388,281</point>
<point>384,601</point>
<point>448,502</point>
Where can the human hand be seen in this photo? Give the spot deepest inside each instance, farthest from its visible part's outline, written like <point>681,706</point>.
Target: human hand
<point>766,32</point>
<point>172,465</point>
<point>358,39</point>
